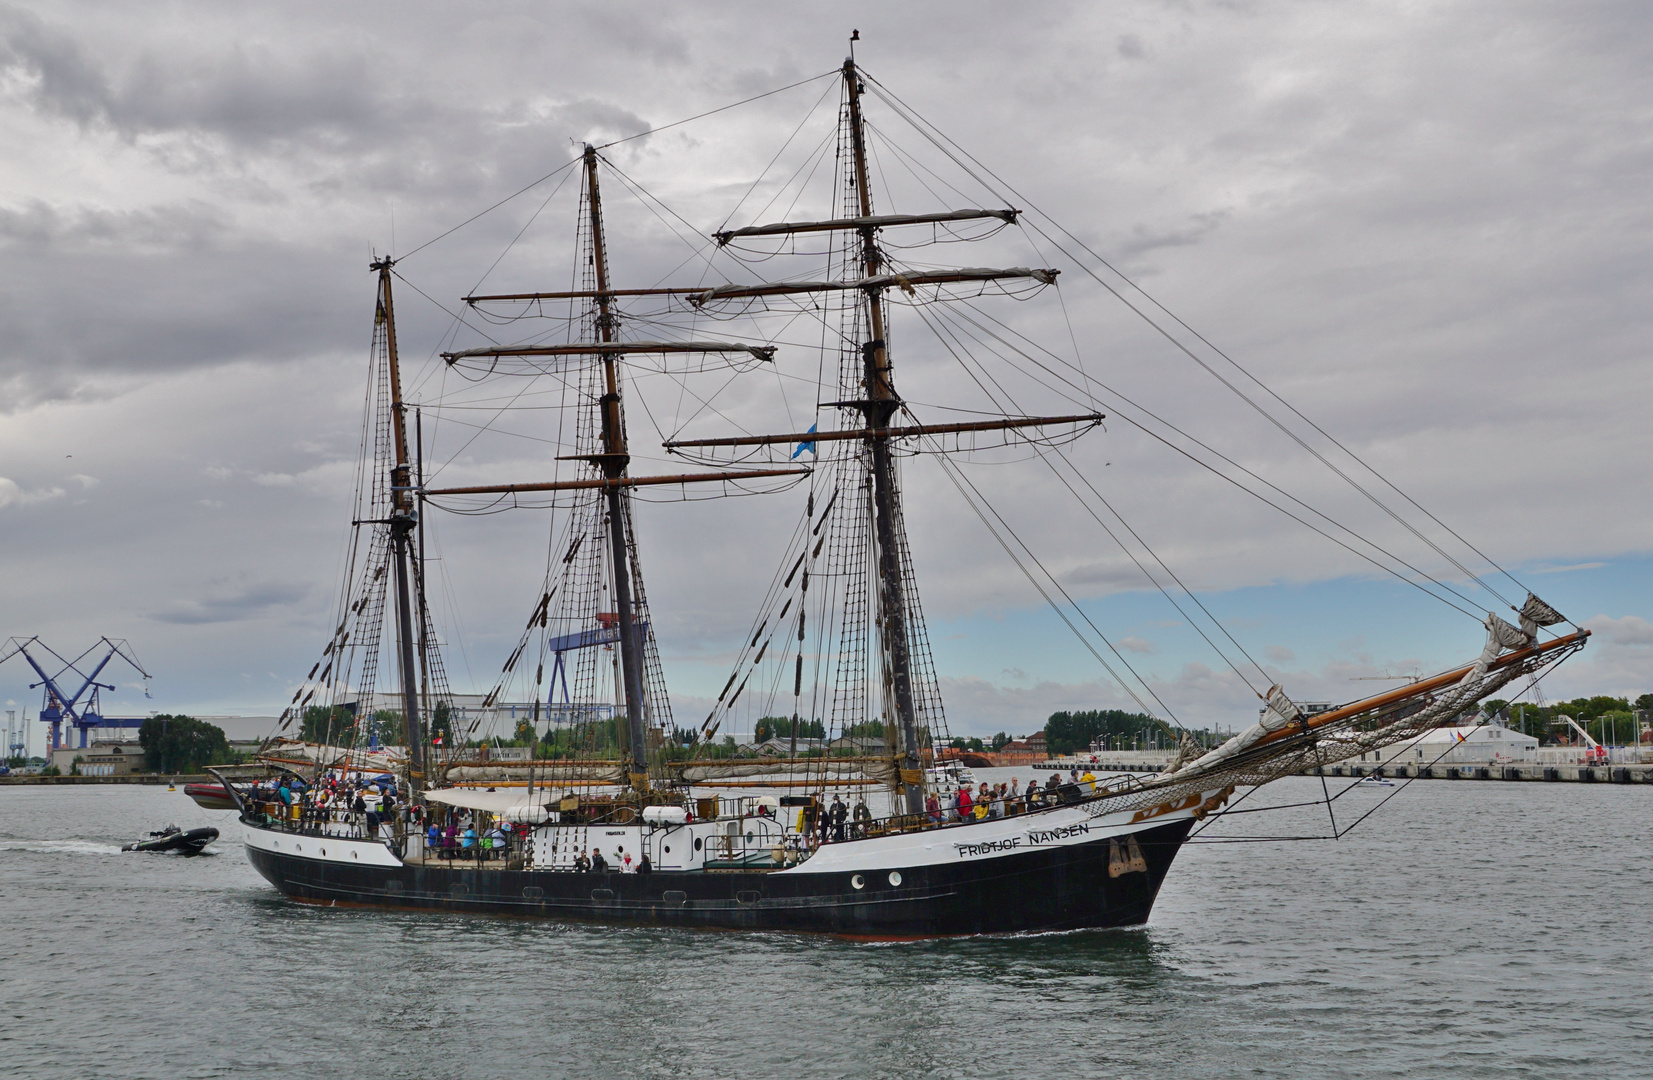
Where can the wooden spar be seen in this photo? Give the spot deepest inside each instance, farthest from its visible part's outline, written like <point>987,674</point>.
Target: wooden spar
<point>818,782</point>
<point>872,281</point>
<point>877,221</point>
<point>609,349</point>
<point>891,433</point>
<point>1436,682</point>
<point>585,294</point>
<point>616,483</point>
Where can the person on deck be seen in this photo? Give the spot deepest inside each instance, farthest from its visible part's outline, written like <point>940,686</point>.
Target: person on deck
<point>433,837</point>
<point>863,817</point>
<point>467,840</point>
<point>932,807</point>
<point>497,835</point>
<point>1089,779</point>
<point>599,865</point>
<point>582,861</point>
<point>839,813</point>
<point>966,805</point>
<point>1032,794</point>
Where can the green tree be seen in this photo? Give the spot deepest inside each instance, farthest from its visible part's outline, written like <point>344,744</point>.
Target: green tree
<point>441,724</point>
<point>1068,732</point>
<point>1616,728</point>
<point>182,744</point>
<point>386,726</point>
<point>780,727</point>
<point>331,724</point>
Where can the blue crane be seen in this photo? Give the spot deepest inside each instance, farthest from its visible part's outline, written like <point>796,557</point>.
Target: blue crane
<point>59,706</point>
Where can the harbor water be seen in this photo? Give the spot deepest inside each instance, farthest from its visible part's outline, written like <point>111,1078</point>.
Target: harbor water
<point>1464,930</point>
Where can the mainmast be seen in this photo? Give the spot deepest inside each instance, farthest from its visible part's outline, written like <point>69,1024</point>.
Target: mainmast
<point>403,519</point>
<point>613,461</point>
<point>879,406</point>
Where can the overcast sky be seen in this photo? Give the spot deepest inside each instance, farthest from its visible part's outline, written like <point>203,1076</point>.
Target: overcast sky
<point>1425,225</point>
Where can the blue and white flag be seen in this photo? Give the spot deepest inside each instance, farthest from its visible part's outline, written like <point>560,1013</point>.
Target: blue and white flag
<point>808,445</point>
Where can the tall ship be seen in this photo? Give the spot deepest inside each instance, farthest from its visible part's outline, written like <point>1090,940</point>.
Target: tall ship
<point>844,819</point>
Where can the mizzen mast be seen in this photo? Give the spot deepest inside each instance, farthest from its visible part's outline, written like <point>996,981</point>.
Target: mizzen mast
<point>403,520</point>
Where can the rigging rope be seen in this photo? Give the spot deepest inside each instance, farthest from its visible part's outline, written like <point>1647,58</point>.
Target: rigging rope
<point>936,137</point>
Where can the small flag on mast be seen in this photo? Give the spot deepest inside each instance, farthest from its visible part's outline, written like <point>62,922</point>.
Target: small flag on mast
<point>806,445</point>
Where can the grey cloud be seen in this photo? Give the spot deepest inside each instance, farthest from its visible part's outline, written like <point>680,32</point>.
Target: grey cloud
<point>1441,260</point>
<point>241,604</point>
<point>1629,630</point>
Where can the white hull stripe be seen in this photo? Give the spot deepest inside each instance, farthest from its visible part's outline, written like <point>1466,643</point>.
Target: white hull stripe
<point>990,838</point>
<point>333,849</point>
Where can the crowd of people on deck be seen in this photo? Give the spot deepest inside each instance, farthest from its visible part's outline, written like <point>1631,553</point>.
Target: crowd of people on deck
<point>457,833</point>
<point>358,804</point>
<point>361,805</point>
<point>987,802</point>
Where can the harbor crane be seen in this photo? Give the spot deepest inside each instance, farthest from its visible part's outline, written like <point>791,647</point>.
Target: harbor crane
<point>81,708</point>
<point>1594,752</point>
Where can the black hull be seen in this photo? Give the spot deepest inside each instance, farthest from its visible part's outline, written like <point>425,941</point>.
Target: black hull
<point>1056,888</point>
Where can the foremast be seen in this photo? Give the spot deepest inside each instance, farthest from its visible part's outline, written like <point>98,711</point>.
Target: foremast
<point>404,518</point>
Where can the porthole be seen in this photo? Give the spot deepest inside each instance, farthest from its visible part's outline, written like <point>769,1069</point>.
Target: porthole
<point>324,853</point>
<point>697,843</point>
<point>668,849</point>
<point>858,882</point>
<point>353,855</point>
<point>748,838</point>
<point>895,877</point>
<point>298,847</point>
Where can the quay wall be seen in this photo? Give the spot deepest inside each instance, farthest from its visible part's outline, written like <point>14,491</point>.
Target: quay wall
<point>130,778</point>
<point>1575,774</point>
<point>1541,771</point>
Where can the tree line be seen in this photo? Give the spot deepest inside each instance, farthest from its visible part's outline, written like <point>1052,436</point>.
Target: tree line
<point>1609,720</point>
<point>183,744</point>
